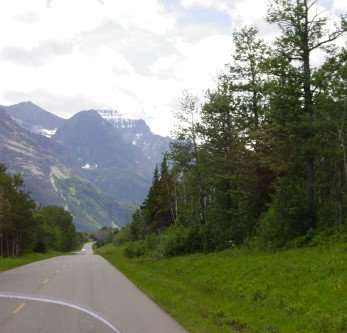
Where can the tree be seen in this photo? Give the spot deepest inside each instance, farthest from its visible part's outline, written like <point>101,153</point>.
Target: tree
<point>166,212</point>
<point>331,124</point>
<point>188,135</point>
<point>16,207</point>
<point>150,205</point>
<point>247,75</point>
<point>54,229</point>
<point>232,181</point>
<point>304,29</point>
<point>248,80</point>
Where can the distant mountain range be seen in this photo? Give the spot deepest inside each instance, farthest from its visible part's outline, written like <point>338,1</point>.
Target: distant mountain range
<point>97,164</point>
<point>138,133</point>
<point>33,118</point>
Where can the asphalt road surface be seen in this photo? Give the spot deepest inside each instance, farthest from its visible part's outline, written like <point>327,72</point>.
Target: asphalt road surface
<point>84,279</point>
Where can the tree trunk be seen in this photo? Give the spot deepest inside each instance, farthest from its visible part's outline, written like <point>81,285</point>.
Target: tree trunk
<point>8,246</point>
<point>13,245</point>
<point>308,109</point>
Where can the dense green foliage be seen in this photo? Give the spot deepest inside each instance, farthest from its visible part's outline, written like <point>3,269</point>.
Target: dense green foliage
<point>299,290</point>
<point>263,158</point>
<point>24,227</point>
<point>54,229</point>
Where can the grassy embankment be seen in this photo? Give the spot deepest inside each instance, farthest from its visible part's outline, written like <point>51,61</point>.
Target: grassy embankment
<point>301,290</point>
<point>12,262</point>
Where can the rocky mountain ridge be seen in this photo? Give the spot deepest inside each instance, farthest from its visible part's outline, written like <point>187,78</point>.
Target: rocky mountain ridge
<point>97,162</point>
<point>137,132</point>
<point>34,118</point>
<point>46,168</point>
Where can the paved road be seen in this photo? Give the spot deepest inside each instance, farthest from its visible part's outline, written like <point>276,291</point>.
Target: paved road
<point>88,280</point>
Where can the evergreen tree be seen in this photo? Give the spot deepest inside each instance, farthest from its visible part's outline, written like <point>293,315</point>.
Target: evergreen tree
<point>16,207</point>
<point>150,205</point>
<point>304,30</point>
<point>166,212</point>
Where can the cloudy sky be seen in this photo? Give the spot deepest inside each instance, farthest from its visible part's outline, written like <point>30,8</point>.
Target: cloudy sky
<point>136,56</point>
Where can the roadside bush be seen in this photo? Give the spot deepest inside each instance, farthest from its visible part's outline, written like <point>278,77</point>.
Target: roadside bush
<point>121,237</point>
<point>176,240</point>
<point>173,241</point>
<point>329,237</point>
<point>320,238</point>
<point>286,218</point>
<point>152,242</point>
<point>135,249</point>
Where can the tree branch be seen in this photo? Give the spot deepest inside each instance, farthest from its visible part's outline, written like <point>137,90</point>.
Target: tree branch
<point>332,37</point>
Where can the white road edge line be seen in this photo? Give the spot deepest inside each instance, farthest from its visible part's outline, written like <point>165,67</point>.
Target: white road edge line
<point>60,302</point>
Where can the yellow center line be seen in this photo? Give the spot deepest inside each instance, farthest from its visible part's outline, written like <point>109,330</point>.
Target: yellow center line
<point>44,282</point>
<point>58,271</point>
<point>20,307</point>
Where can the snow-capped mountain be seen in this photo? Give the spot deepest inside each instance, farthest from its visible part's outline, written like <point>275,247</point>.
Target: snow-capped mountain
<point>51,177</point>
<point>98,163</point>
<point>138,133</point>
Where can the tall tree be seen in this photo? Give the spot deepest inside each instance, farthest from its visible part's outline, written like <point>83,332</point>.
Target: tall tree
<point>248,82</point>
<point>304,29</point>
<point>166,212</point>
<point>331,122</point>
<point>187,148</point>
<point>247,74</point>
<point>16,207</point>
<point>150,205</point>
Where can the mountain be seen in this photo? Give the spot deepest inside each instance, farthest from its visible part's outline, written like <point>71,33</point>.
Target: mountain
<point>33,118</point>
<point>138,133</point>
<point>114,165</point>
<point>20,152</point>
<point>97,164</point>
<point>47,169</point>
<point>94,142</point>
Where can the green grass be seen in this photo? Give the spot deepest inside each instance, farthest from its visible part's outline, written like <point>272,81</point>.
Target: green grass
<point>12,262</point>
<point>302,290</point>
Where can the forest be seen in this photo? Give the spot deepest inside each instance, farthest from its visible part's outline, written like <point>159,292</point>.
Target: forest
<point>261,160</point>
<point>26,227</point>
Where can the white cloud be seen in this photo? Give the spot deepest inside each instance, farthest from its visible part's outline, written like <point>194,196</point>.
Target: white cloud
<point>135,56</point>
<point>221,5</point>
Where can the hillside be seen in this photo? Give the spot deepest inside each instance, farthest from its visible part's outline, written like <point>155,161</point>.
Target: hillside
<point>105,158</point>
<point>302,290</point>
<point>48,171</point>
<point>34,118</point>
<point>108,157</point>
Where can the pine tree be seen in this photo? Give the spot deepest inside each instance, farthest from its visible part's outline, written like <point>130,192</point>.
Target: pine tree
<point>150,205</point>
<point>304,30</point>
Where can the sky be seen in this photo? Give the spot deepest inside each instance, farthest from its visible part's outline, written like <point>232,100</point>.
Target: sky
<point>136,56</point>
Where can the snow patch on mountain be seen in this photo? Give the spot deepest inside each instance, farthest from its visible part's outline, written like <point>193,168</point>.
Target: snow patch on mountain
<point>88,166</point>
<point>48,133</point>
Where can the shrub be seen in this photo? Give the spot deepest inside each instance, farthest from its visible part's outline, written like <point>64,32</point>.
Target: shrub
<point>135,249</point>
<point>175,240</point>
<point>287,216</point>
<point>121,237</point>
<point>329,237</point>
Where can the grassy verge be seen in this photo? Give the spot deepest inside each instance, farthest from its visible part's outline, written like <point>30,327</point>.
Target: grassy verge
<point>302,290</point>
<point>9,263</point>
